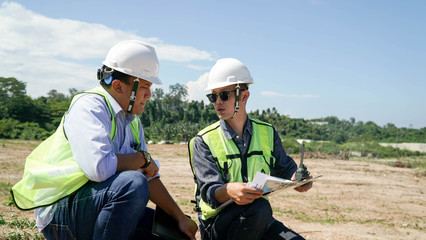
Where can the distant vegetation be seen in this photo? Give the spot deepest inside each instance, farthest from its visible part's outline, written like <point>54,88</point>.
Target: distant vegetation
<point>169,116</point>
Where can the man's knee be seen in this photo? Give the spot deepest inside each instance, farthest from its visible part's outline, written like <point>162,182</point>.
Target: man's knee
<point>261,208</point>
<point>242,221</point>
<point>132,185</point>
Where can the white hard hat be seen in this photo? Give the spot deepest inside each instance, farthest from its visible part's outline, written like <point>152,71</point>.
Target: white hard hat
<point>228,71</point>
<point>134,58</point>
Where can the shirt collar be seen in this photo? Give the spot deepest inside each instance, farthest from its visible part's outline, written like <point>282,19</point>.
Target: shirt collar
<point>229,133</point>
<point>116,108</point>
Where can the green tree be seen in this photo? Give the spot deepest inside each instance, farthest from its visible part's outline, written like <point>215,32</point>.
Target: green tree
<point>10,89</point>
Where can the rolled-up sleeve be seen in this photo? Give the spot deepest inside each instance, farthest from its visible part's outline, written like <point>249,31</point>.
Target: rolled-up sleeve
<point>208,175</point>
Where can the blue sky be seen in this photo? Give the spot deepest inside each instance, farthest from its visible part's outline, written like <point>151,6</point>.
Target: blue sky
<point>308,58</point>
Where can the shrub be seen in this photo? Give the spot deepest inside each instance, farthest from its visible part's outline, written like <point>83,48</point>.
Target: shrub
<point>291,146</point>
<point>7,126</point>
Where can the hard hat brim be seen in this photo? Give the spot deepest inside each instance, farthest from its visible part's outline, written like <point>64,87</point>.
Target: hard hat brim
<point>152,79</point>
<point>224,84</point>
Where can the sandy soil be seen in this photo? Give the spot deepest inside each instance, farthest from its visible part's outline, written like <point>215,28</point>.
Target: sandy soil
<point>353,200</point>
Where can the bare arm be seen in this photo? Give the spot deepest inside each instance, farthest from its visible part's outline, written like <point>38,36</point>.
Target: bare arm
<point>131,161</point>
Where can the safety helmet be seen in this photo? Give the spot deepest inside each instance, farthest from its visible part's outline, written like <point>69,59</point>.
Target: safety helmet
<point>228,71</point>
<point>134,58</point>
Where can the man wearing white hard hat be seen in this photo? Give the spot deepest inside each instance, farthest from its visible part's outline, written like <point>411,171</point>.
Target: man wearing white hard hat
<point>93,178</point>
<point>227,154</point>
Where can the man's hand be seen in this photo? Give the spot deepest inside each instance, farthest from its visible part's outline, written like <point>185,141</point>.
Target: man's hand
<point>241,194</point>
<point>304,187</point>
<point>188,226</point>
<point>149,171</point>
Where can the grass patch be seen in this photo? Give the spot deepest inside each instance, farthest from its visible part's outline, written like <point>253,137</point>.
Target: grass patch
<point>23,236</point>
<point>412,162</point>
<point>188,188</point>
<point>5,187</point>
<point>181,154</point>
<point>402,162</point>
<point>18,144</point>
<point>18,223</point>
<point>185,202</point>
<point>22,224</point>
<point>322,217</point>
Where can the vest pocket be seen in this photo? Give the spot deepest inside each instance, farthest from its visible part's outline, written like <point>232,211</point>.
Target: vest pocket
<point>260,165</point>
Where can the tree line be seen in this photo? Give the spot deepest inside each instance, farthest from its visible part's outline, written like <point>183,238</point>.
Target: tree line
<point>170,116</point>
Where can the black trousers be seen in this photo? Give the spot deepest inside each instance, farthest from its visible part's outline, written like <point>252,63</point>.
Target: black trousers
<point>246,222</point>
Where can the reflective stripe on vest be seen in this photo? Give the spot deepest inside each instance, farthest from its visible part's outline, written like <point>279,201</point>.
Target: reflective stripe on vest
<point>50,172</point>
<point>259,156</point>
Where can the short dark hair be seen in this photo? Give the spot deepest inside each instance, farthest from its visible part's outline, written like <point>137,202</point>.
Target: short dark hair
<point>244,86</point>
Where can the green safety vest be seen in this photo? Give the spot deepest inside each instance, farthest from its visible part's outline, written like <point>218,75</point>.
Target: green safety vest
<point>50,172</point>
<point>228,158</point>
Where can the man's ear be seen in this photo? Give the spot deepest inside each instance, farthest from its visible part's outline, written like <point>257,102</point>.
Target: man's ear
<point>116,85</point>
<point>246,95</point>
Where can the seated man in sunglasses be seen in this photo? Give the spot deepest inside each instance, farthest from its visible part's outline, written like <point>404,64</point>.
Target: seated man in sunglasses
<point>227,154</point>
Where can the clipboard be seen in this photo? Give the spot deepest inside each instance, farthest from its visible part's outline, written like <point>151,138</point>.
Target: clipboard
<point>166,227</point>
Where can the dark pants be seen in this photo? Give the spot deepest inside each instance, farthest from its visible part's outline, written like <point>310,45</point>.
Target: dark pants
<point>113,209</point>
<point>252,221</point>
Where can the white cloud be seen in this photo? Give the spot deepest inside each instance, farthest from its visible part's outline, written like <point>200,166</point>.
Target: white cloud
<point>196,88</point>
<point>180,53</point>
<point>276,94</point>
<point>43,74</point>
<point>59,54</point>
<point>198,67</point>
<point>26,32</point>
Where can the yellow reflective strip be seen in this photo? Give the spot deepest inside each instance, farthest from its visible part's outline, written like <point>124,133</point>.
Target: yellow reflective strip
<point>134,125</point>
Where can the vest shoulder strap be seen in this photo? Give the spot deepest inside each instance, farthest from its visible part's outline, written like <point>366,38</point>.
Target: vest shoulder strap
<point>209,128</point>
<point>134,125</point>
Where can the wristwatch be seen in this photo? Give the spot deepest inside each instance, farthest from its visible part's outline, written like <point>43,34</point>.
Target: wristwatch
<point>148,158</point>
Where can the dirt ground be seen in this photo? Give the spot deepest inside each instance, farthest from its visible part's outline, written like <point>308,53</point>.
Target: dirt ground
<point>352,200</point>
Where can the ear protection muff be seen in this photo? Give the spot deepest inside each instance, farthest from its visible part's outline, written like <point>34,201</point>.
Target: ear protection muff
<point>105,74</point>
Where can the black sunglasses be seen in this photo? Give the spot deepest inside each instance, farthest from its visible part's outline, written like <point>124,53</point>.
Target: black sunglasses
<point>223,95</point>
